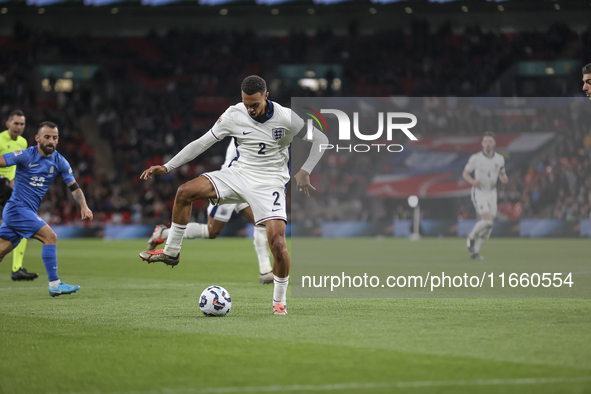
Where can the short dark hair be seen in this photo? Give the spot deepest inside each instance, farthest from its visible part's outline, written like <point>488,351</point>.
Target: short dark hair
<point>47,123</point>
<point>587,69</point>
<point>14,113</point>
<point>489,134</point>
<point>254,84</point>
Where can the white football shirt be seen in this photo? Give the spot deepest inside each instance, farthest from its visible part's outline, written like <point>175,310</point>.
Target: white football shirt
<point>486,169</point>
<point>262,147</point>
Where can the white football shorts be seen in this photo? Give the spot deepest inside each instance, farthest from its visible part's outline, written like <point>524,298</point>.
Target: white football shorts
<point>267,200</point>
<point>223,213</point>
<point>485,202</point>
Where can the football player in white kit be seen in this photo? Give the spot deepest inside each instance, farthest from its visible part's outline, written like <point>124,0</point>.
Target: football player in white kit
<point>218,217</point>
<point>488,166</point>
<point>263,131</point>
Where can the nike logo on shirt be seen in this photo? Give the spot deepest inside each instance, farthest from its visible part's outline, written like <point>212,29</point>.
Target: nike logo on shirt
<point>244,132</point>
<point>33,165</point>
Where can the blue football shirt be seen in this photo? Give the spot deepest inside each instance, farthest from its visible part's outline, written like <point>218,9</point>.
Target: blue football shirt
<point>34,175</point>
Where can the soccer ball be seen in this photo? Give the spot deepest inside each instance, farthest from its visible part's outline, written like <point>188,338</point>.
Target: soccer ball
<point>215,301</point>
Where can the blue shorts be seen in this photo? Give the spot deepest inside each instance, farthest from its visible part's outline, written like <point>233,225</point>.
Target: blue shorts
<point>19,222</point>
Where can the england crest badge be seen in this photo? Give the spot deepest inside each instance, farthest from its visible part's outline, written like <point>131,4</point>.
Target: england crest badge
<point>278,134</point>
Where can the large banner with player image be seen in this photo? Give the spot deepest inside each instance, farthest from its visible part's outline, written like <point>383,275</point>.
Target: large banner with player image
<point>383,150</point>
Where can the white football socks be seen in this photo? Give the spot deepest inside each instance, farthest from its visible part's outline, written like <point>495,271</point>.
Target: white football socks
<point>197,230</point>
<point>280,290</point>
<point>174,240</point>
<point>260,246</point>
<point>194,230</point>
<point>479,226</point>
<point>54,283</point>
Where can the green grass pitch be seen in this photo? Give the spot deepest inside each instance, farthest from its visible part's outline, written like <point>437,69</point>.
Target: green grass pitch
<point>136,328</point>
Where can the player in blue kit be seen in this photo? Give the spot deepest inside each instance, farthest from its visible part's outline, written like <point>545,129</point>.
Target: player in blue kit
<point>36,168</point>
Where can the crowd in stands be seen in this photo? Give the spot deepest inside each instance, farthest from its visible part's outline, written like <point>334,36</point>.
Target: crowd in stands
<point>152,95</point>
<point>557,184</point>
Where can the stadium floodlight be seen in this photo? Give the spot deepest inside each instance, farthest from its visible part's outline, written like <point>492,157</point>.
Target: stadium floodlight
<point>413,202</point>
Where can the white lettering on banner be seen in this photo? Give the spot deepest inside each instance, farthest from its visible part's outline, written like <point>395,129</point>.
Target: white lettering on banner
<point>361,148</point>
<point>345,125</point>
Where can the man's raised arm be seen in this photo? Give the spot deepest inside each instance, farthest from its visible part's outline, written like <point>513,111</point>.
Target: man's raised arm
<point>188,153</point>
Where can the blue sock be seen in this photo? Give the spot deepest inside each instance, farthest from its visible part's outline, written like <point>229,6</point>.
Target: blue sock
<point>49,256</point>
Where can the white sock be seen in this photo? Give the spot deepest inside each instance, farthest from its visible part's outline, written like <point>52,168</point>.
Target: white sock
<point>196,230</point>
<point>479,226</point>
<point>174,240</point>
<point>481,240</point>
<point>280,290</point>
<point>54,283</point>
<point>165,233</point>
<point>260,246</point>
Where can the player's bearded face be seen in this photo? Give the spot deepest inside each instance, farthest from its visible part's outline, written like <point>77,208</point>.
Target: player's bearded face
<point>47,139</point>
<point>255,104</point>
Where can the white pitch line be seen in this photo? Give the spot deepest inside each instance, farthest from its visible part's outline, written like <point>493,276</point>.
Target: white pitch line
<point>363,386</point>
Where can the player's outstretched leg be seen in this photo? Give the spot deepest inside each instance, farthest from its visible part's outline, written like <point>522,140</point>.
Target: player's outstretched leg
<point>49,255</point>
<point>281,264</point>
<point>192,231</point>
<point>214,228</point>
<point>18,271</point>
<point>196,189</point>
